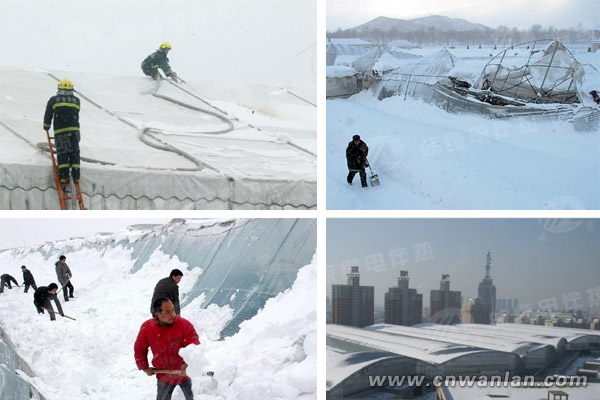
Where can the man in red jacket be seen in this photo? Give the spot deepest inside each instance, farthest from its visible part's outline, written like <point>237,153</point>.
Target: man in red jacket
<point>165,335</point>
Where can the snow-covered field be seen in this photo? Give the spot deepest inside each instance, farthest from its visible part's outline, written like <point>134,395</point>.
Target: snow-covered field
<point>273,356</point>
<point>427,158</point>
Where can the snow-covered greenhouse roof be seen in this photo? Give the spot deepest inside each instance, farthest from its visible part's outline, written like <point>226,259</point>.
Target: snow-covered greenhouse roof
<point>488,330</point>
<point>341,366</point>
<point>424,349</point>
<point>446,333</point>
<point>569,334</point>
<point>158,145</point>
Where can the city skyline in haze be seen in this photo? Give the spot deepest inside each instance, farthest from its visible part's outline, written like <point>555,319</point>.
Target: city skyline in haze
<point>541,262</point>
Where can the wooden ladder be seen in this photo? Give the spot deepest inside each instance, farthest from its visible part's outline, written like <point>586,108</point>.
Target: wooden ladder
<point>61,195</point>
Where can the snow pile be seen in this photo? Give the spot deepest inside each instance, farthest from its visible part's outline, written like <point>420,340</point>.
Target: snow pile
<point>273,356</point>
<point>92,357</point>
<point>340,71</point>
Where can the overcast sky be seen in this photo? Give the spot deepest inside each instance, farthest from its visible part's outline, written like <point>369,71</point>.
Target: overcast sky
<point>251,41</point>
<point>532,259</point>
<point>18,232</point>
<point>492,13</point>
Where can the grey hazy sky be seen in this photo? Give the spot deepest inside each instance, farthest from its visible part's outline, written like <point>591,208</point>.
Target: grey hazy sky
<point>250,41</point>
<point>532,259</point>
<point>17,232</point>
<point>492,13</point>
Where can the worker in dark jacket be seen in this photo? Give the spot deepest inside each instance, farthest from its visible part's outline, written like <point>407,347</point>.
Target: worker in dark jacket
<point>356,156</point>
<point>64,109</point>
<point>28,279</point>
<point>42,297</point>
<point>5,280</point>
<point>166,334</point>
<point>157,60</point>
<point>64,275</point>
<point>167,287</point>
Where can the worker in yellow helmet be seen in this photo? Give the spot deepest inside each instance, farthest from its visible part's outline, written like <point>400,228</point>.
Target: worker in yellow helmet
<point>64,109</point>
<point>157,60</point>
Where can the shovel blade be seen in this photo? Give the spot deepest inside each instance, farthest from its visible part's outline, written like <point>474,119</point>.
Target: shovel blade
<point>374,180</point>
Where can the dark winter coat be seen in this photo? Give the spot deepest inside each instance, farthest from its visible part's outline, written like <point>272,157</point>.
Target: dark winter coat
<point>156,60</point>
<point>64,109</point>
<point>356,155</point>
<point>5,280</point>
<point>42,298</point>
<point>166,288</point>
<point>63,272</point>
<point>165,342</point>
<point>28,278</point>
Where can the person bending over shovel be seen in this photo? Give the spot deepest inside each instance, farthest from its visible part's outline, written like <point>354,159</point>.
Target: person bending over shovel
<point>166,334</point>
<point>42,297</point>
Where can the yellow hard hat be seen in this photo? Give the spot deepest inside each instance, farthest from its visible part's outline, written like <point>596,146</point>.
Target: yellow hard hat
<point>165,45</point>
<point>65,84</point>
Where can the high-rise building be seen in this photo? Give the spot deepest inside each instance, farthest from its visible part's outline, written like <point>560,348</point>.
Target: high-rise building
<point>486,307</point>
<point>474,312</point>
<point>510,306</point>
<point>445,304</point>
<point>353,304</point>
<point>403,306</point>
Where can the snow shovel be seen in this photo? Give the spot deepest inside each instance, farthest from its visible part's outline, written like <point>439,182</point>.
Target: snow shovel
<point>178,372</point>
<point>54,312</point>
<point>374,178</point>
<point>169,371</point>
<point>63,286</point>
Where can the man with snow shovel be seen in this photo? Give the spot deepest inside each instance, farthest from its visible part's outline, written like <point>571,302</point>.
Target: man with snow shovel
<point>167,287</point>
<point>28,279</point>
<point>63,273</point>
<point>166,334</point>
<point>356,156</point>
<point>42,297</point>
<point>5,280</point>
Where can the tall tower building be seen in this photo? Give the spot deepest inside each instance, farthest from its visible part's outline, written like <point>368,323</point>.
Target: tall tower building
<point>487,296</point>
<point>353,304</point>
<point>403,306</point>
<point>445,304</point>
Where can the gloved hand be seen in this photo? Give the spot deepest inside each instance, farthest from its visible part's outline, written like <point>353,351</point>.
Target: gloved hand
<point>62,315</point>
<point>366,165</point>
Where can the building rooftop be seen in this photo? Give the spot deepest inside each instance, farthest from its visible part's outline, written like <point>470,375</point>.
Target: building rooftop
<point>445,333</point>
<point>419,348</point>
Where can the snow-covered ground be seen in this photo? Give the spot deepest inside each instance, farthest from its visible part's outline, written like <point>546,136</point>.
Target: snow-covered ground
<point>427,158</point>
<point>202,145</point>
<point>273,356</point>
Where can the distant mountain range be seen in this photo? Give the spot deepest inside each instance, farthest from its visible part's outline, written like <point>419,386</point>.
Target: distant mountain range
<point>439,22</point>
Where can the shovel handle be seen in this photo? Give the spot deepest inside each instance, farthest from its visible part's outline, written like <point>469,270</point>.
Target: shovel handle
<point>54,312</point>
<point>169,371</point>
<point>63,286</point>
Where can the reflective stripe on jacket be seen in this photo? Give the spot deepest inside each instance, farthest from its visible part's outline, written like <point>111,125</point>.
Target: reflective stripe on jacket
<point>64,110</point>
